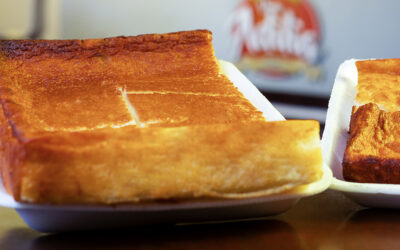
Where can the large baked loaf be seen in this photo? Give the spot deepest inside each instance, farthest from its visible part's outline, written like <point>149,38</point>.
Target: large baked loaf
<point>128,119</point>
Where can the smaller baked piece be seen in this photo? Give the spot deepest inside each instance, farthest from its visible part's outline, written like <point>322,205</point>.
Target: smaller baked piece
<point>372,153</point>
<point>373,148</point>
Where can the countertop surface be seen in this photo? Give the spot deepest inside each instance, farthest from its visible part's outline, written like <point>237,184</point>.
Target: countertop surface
<point>328,221</point>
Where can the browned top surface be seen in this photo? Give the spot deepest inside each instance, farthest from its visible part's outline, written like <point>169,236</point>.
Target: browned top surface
<point>374,132</point>
<point>379,82</point>
<point>74,85</point>
<point>373,149</point>
<point>88,48</point>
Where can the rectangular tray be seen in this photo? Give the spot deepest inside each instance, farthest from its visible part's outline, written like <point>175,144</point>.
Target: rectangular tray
<point>334,141</point>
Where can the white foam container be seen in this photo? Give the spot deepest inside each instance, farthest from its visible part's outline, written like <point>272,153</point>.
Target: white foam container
<point>56,218</point>
<point>334,141</point>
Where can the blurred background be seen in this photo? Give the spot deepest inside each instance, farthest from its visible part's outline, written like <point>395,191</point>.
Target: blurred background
<point>290,49</point>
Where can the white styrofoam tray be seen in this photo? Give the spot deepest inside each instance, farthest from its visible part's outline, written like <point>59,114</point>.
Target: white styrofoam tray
<point>54,218</point>
<point>334,141</point>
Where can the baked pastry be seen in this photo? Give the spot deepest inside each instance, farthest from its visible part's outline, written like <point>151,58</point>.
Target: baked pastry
<point>372,151</point>
<point>130,119</point>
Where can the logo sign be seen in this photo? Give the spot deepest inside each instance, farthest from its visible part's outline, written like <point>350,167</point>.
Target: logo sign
<point>277,38</point>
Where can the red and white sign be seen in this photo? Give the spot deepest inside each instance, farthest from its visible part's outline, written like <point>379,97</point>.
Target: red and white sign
<point>276,37</point>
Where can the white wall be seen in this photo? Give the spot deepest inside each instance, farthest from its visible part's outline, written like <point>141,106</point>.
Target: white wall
<point>17,18</point>
<point>102,18</point>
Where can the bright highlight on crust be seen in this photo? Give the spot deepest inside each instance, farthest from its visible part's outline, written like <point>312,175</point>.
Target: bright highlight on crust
<point>131,109</point>
<point>78,129</point>
<point>150,92</point>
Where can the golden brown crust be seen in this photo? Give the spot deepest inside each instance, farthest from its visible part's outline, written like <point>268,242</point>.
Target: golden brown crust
<point>45,84</point>
<point>373,149</point>
<point>74,84</point>
<point>191,109</point>
<point>88,48</point>
<point>222,160</point>
<point>70,134</point>
<point>10,153</point>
